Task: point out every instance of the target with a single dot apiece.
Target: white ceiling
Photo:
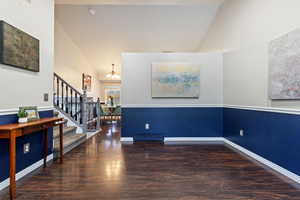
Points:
(134, 28)
(137, 2)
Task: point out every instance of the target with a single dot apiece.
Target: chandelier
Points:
(113, 74)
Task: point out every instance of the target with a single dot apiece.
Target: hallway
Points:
(104, 169)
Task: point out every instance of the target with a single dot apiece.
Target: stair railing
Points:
(76, 105)
(93, 115)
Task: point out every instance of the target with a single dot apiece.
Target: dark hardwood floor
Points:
(104, 169)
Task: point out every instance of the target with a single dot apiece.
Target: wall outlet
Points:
(242, 132)
(26, 148)
(147, 126)
(46, 97)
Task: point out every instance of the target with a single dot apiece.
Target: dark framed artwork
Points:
(86, 82)
(18, 49)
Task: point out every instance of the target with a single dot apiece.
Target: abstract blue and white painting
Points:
(284, 66)
(175, 80)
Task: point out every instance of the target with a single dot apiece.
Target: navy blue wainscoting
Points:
(173, 122)
(274, 136)
(36, 146)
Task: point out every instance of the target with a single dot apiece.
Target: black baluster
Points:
(72, 103)
(54, 91)
(89, 109)
(80, 113)
(67, 100)
(57, 92)
(76, 106)
(62, 96)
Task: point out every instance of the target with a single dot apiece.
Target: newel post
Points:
(98, 114)
(84, 111)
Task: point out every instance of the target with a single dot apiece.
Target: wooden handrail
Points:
(70, 86)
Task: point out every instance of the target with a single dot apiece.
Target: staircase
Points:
(81, 114)
(76, 106)
(71, 138)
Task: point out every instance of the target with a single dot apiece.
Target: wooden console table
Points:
(12, 131)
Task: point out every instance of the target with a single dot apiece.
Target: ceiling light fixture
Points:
(92, 11)
(113, 74)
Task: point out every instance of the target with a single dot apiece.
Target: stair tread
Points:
(69, 139)
(66, 130)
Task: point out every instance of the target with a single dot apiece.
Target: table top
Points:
(9, 127)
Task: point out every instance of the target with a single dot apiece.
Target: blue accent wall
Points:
(36, 146)
(173, 122)
(274, 136)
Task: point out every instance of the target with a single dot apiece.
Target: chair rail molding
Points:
(172, 105)
(265, 109)
(16, 110)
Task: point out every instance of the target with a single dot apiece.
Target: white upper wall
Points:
(136, 83)
(247, 22)
(70, 62)
(20, 87)
(244, 28)
(246, 76)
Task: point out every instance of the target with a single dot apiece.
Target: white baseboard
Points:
(182, 139)
(25, 171)
(194, 139)
(126, 139)
(264, 161)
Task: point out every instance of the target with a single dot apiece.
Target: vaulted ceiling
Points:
(137, 2)
(134, 26)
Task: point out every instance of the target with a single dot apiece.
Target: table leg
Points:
(61, 142)
(45, 147)
(12, 166)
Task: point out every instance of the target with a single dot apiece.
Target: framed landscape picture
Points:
(86, 82)
(175, 80)
(18, 49)
(32, 112)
